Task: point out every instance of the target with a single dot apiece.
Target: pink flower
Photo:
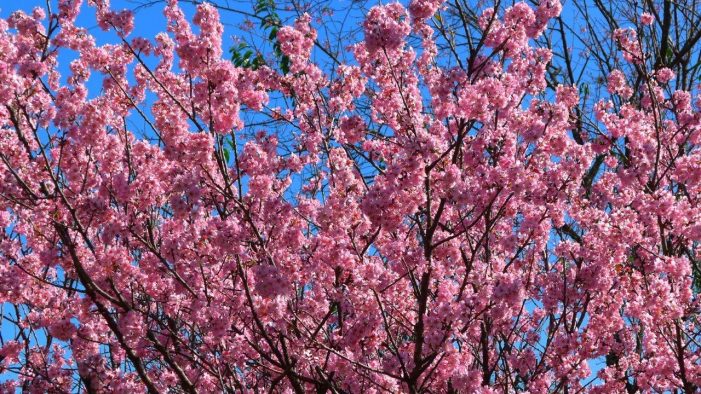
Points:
(568, 95)
(424, 9)
(386, 27)
(62, 329)
(647, 18)
(627, 40)
(617, 84)
(664, 75)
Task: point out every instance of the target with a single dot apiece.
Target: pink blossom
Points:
(647, 19)
(664, 75)
(617, 84)
(386, 27)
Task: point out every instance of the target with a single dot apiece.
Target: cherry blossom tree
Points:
(437, 211)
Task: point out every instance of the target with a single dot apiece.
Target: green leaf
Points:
(285, 64)
(669, 54)
(258, 61)
(227, 154)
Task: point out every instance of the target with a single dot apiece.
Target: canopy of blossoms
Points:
(402, 225)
